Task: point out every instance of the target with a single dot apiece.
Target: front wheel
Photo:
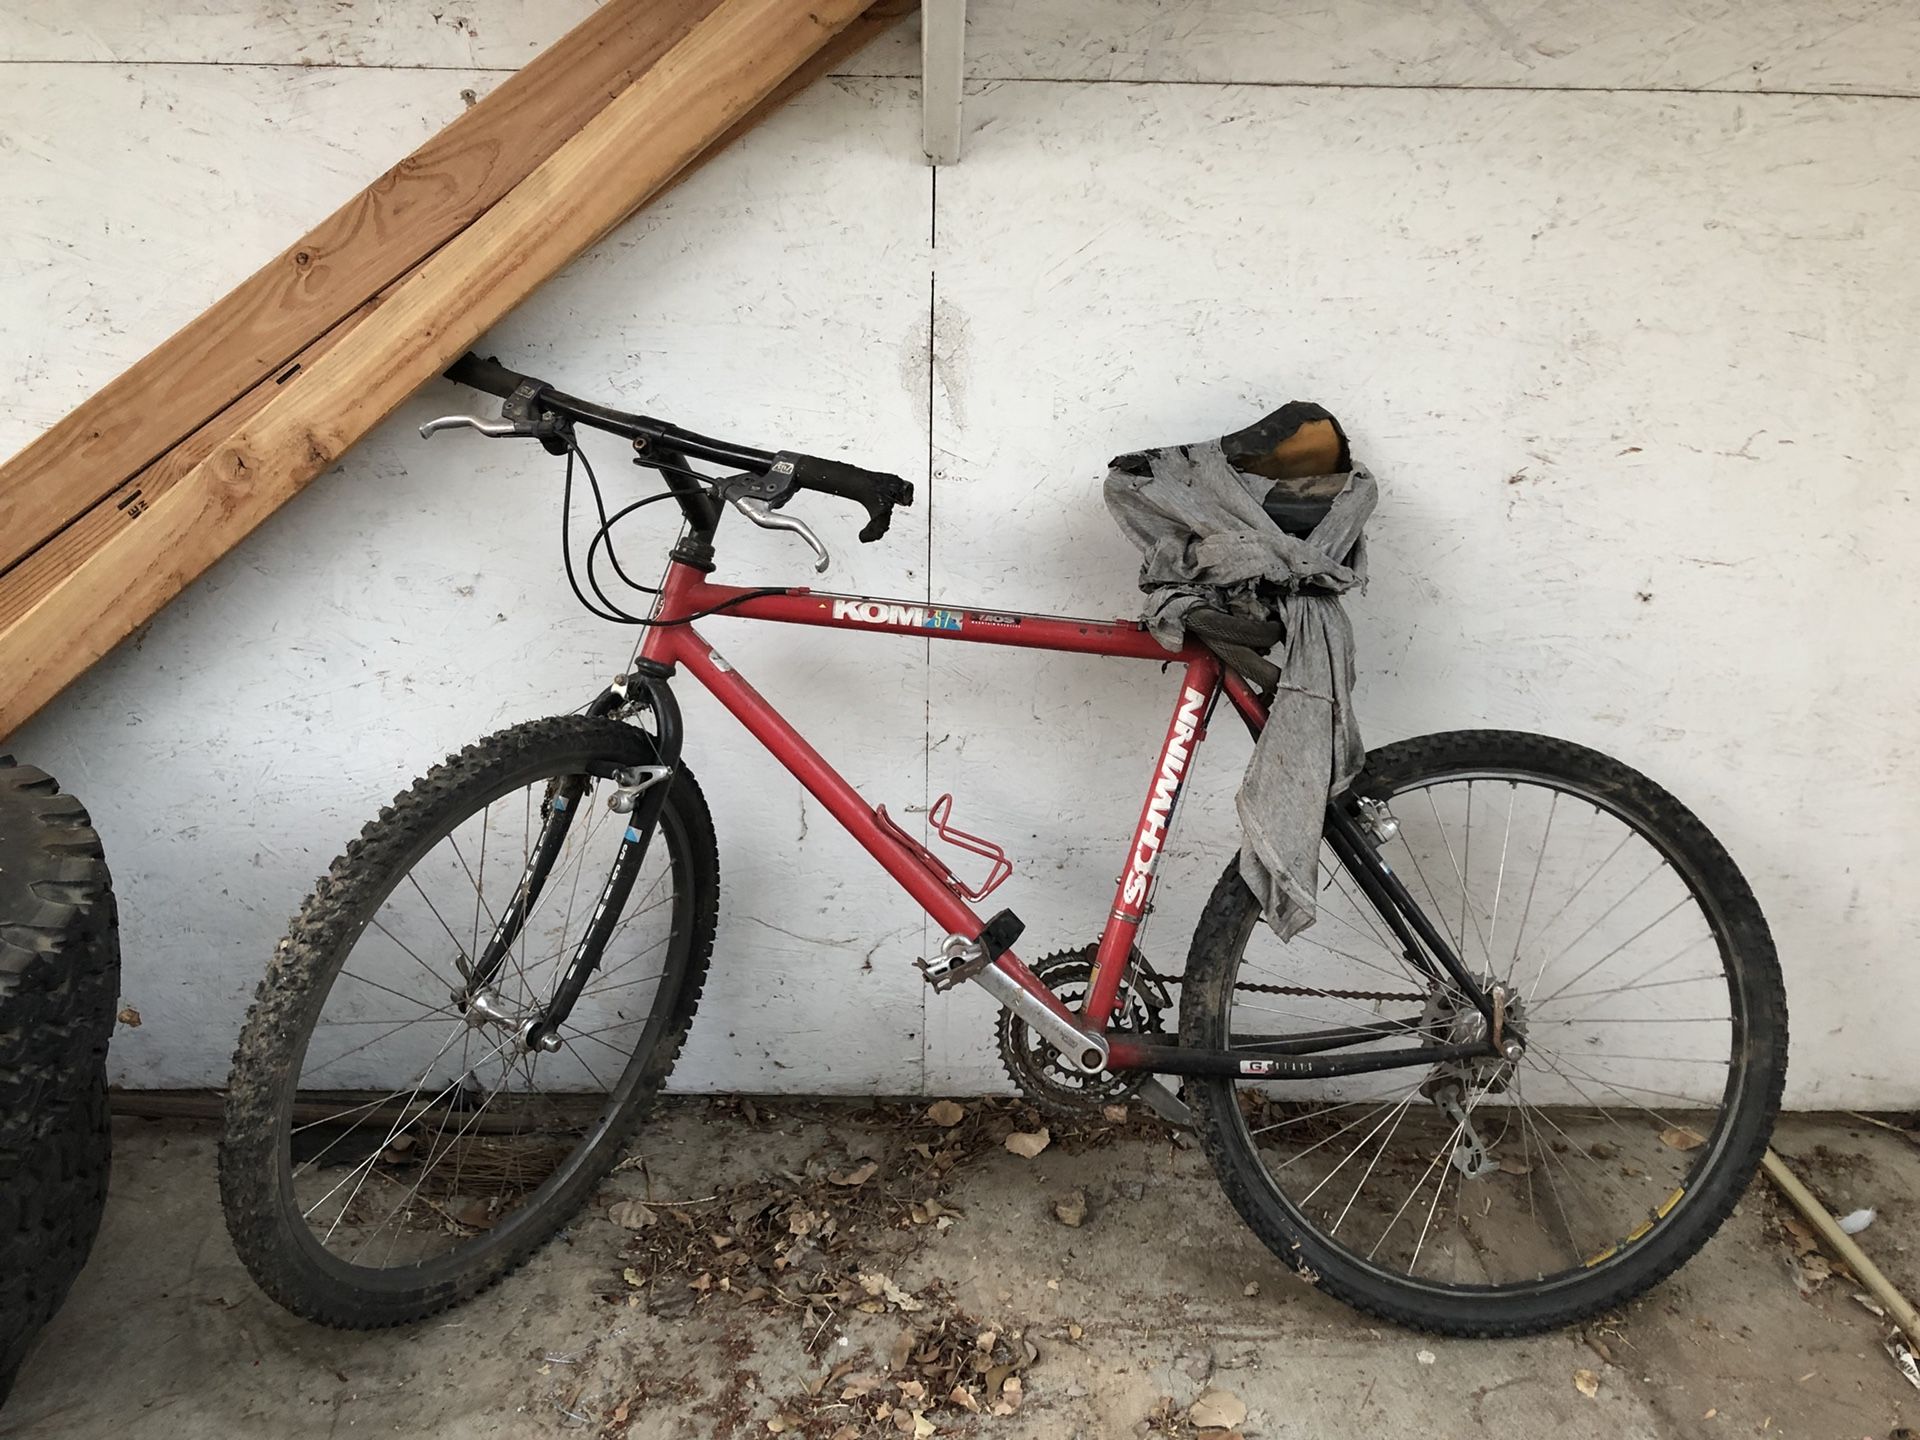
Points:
(1481, 1197)
(396, 1139)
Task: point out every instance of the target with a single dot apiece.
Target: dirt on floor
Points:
(766, 1267)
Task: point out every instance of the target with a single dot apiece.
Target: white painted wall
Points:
(1618, 301)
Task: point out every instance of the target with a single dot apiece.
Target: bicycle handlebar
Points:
(525, 397)
(877, 490)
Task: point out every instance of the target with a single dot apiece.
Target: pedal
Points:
(960, 959)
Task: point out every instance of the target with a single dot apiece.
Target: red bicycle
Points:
(1519, 1070)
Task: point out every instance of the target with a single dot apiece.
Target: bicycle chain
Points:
(1308, 991)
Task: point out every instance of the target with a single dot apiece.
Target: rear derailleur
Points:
(1458, 1086)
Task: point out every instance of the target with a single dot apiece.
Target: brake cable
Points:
(611, 612)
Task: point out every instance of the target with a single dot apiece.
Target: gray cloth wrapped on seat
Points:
(1208, 521)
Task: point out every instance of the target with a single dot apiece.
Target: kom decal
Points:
(884, 612)
(1166, 789)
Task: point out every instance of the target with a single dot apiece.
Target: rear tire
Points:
(59, 986)
(1286, 1220)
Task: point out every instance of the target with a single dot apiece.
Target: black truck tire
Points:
(59, 987)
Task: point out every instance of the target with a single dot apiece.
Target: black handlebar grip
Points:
(875, 489)
(489, 375)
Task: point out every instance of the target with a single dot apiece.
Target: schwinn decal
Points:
(1258, 1067)
(989, 617)
(1166, 789)
(881, 612)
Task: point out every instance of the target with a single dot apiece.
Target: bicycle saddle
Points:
(1300, 447)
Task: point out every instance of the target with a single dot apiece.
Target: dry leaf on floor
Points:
(631, 1215)
(1071, 1209)
(945, 1112)
(1029, 1143)
(859, 1176)
(846, 1432)
(877, 1285)
(1114, 1114)
(129, 1017)
(1251, 1288)
(1217, 1410)
(1678, 1137)
(963, 1397)
(1587, 1383)
(1511, 1164)
(1803, 1238)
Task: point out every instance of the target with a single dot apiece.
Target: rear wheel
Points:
(1482, 1197)
(394, 1144)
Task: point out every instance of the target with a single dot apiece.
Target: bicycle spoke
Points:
(1400, 1113)
(1684, 899)
(457, 948)
(416, 1020)
(479, 900)
(1500, 880)
(438, 978)
(1539, 859)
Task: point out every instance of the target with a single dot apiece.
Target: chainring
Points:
(1034, 1066)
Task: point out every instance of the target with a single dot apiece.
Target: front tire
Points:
(363, 1213)
(1564, 1209)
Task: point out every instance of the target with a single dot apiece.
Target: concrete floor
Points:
(166, 1336)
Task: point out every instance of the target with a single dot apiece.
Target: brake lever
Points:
(491, 428)
(758, 512)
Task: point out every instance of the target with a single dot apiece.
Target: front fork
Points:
(641, 796)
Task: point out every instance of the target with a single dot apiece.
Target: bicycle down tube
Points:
(686, 594)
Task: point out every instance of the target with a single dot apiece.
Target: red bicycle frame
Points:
(686, 592)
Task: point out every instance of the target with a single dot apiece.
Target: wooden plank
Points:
(696, 94)
(33, 577)
(312, 285)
